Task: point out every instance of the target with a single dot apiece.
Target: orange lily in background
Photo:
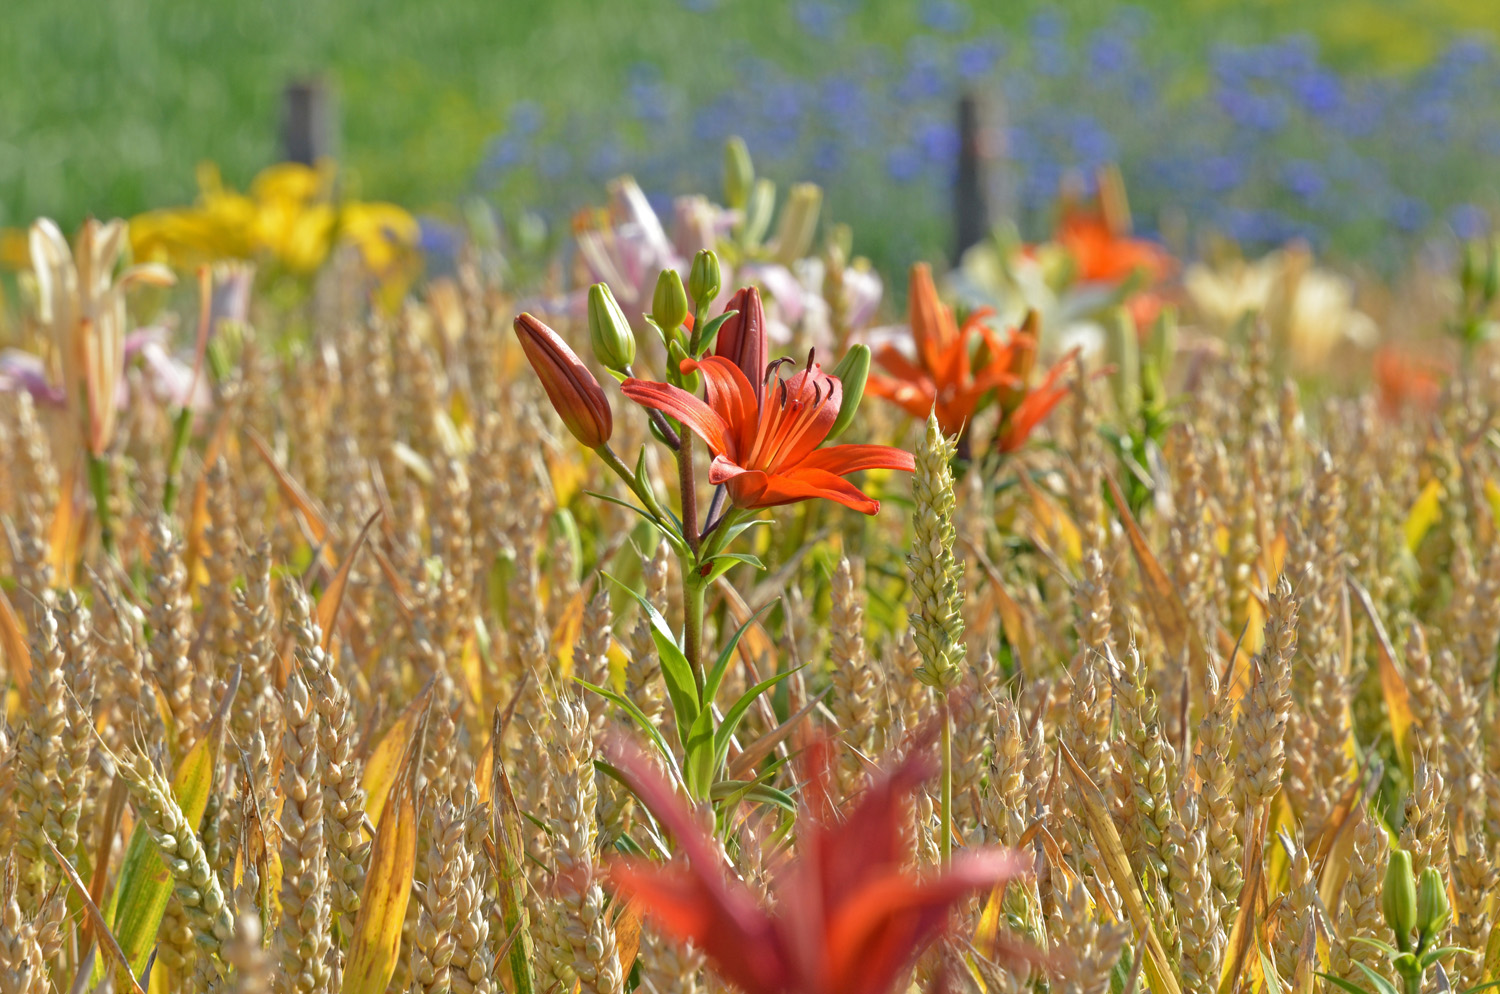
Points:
(1105, 256)
(1403, 380)
(847, 915)
(1026, 407)
(944, 379)
(1098, 238)
(765, 448)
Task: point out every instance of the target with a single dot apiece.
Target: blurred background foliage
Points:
(1357, 124)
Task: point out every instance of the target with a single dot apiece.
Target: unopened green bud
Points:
(609, 333)
(1162, 341)
(852, 371)
(704, 278)
(1125, 357)
(669, 304)
(1398, 897)
(1468, 273)
(758, 210)
(1432, 903)
(676, 355)
(799, 223)
(739, 172)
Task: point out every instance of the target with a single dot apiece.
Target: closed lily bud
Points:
(1161, 344)
(851, 372)
(1432, 903)
(1398, 897)
(609, 333)
(1025, 361)
(742, 339)
(799, 222)
(574, 392)
(676, 356)
(704, 277)
(758, 210)
(739, 172)
(669, 304)
(1125, 356)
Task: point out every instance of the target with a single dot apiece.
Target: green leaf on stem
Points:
(1344, 985)
(732, 719)
(676, 671)
(639, 717)
(673, 538)
(703, 340)
(698, 755)
(1382, 985)
(714, 676)
(725, 561)
(731, 792)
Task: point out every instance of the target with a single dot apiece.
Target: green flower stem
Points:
(182, 429)
(644, 494)
(98, 470)
(689, 485)
(659, 419)
(694, 594)
(945, 812)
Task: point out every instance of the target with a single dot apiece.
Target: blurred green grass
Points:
(107, 108)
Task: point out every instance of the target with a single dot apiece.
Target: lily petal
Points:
(842, 460)
(703, 420)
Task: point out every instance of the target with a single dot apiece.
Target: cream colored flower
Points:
(81, 307)
(1310, 311)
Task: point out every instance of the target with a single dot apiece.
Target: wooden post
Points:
(308, 122)
(979, 191)
(971, 209)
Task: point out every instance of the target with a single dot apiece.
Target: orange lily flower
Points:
(944, 378)
(1026, 407)
(1103, 252)
(765, 447)
(847, 916)
(1403, 380)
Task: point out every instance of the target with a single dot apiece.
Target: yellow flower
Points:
(288, 220)
(14, 253)
(386, 237)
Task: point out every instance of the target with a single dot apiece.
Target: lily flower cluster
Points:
(956, 381)
(766, 428)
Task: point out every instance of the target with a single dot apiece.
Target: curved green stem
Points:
(645, 495)
(945, 814)
(694, 592)
(98, 470)
(689, 486)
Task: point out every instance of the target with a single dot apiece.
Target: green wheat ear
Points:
(937, 576)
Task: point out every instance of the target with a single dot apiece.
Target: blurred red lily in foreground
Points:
(848, 917)
(948, 380)
(765, 443)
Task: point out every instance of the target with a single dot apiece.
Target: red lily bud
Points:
(742, 339)
(573, 390)
(1023, 363)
